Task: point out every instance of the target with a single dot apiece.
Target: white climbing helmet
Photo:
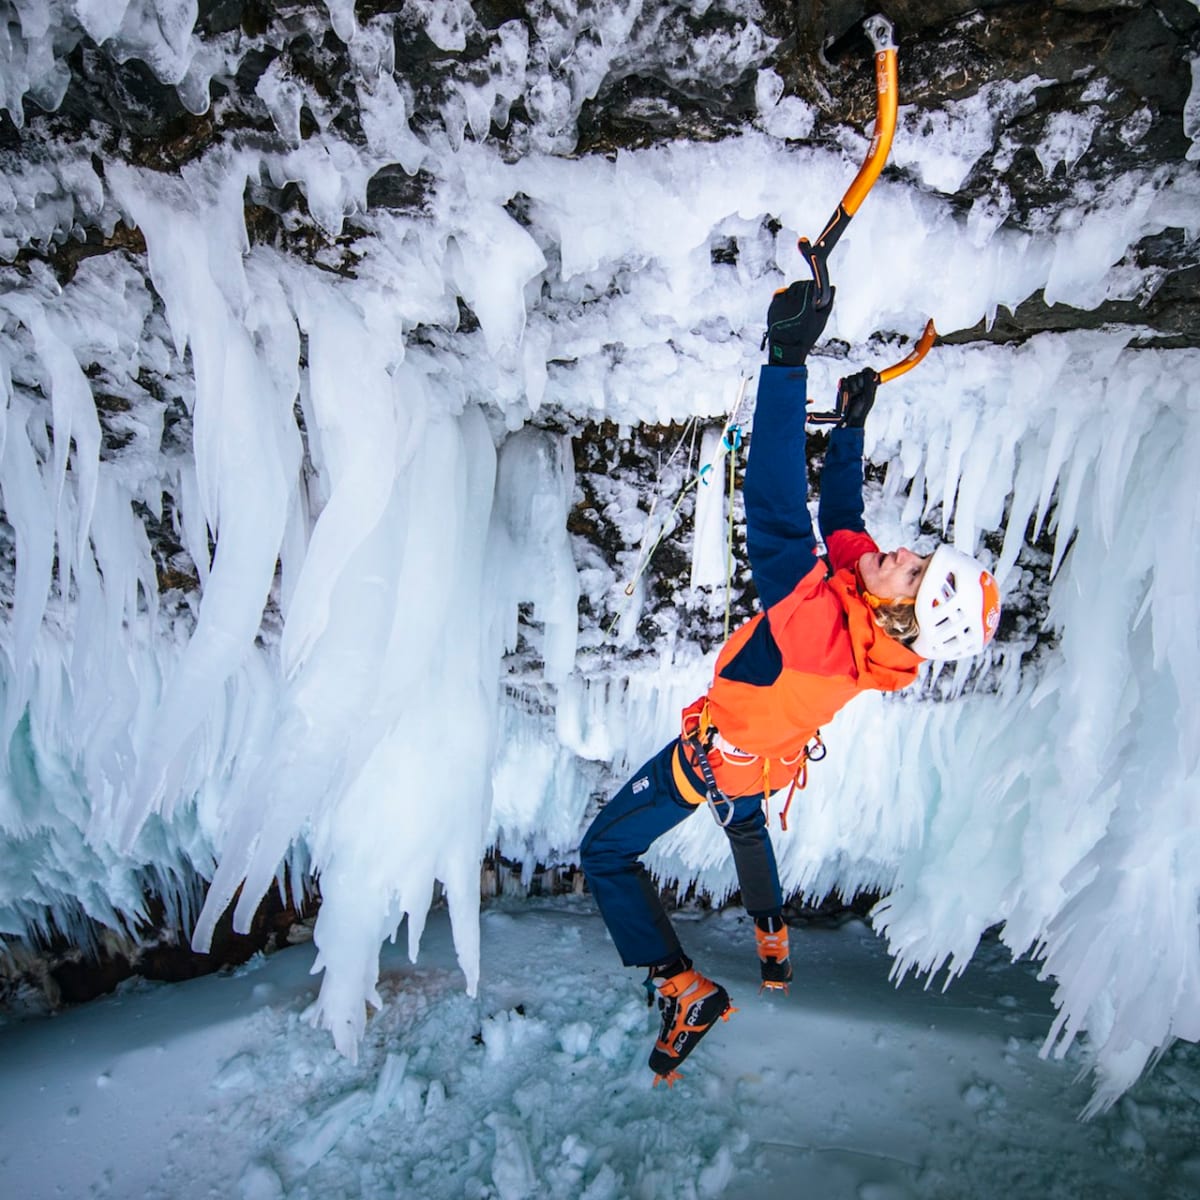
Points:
(957, 608)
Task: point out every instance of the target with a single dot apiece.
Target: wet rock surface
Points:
(1101, 88)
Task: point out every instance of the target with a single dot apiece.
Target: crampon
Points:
(690, 1006)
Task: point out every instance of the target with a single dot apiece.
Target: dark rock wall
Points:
(1123, 64)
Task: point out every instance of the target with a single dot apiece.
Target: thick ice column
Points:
(416, 800)
(365, 427)
(30, 512)
(246, 443)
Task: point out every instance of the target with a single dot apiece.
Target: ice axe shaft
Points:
(882, 35)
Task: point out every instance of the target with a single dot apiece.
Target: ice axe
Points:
(881, 34)
(910, 360)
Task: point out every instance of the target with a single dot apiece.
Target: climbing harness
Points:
(702, 738)
(882, 36)
(697, 735)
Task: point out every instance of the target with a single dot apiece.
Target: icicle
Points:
(708, 533)
(29, 510)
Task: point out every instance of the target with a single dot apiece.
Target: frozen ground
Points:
(849, 1088)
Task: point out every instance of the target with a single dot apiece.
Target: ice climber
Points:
(853, 621)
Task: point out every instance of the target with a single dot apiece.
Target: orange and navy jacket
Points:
(815, 645)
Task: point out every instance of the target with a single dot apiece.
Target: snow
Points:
(847, 1087)
(942, 144)
(362, 505)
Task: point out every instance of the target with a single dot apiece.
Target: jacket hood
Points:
(889, 665)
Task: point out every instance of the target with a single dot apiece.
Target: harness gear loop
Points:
(799, 782)
(814, 751)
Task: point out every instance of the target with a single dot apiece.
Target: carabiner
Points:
(717, 797)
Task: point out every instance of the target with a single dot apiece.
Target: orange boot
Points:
(690, 1007)
(771, 935)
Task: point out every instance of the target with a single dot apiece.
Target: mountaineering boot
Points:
(690, 1006)
(771, 935)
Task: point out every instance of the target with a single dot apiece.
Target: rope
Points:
(648, 552)
(731, 441)
(731, 456)
(645, 556)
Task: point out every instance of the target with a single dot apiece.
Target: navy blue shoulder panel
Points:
(759, 661)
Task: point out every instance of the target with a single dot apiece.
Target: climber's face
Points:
(894, 576)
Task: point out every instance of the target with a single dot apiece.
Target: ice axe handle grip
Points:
(817, 253)
(815, 257)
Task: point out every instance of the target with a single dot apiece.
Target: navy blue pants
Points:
(643, 810)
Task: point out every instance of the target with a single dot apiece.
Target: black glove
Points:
(856, 395)
(794, 324)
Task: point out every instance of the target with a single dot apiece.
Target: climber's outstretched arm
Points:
(840, 512)
(779, 533)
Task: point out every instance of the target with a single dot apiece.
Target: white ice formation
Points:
(366, 508)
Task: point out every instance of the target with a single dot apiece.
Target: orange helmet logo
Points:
(991, 605)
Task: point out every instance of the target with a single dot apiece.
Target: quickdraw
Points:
(713, 796)
(731, 443)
